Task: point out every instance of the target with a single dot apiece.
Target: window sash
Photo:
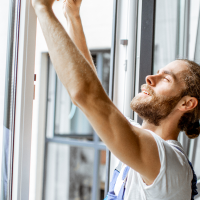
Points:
(10, 100)
(24, 102)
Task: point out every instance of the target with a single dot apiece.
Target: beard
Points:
(154, 108)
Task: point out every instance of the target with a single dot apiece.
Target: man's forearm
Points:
(72, 68)
(76, 33)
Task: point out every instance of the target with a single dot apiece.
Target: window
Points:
(74, 157)
(60, 129)
(64, 158)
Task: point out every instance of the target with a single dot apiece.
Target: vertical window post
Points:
(111, 83)
(147, 41)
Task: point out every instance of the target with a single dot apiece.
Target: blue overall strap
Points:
(114, 177)
(111, 194)
(194, 180)
(124, 178)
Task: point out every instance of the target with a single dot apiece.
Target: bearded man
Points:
(154, 165)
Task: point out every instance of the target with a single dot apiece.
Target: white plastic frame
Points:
(125, 57)
(24, 102)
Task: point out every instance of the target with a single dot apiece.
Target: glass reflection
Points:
(102, 174)
(197, 160)
(63, 117)
(68, 173)
(165, 49)
(68, 118)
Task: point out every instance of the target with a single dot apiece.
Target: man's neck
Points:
(167, 129)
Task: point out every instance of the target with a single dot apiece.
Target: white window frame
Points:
(125, 60)
(24, 102)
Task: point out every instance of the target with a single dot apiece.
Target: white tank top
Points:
(173, 181)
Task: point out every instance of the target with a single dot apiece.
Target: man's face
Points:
(161, 93)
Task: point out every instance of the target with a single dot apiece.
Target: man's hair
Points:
(189, 122)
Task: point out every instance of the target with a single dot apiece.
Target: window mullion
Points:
(111, 85)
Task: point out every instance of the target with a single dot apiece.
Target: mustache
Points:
(148, 89)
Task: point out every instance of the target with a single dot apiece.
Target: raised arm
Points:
(71, 10)
(133, 146)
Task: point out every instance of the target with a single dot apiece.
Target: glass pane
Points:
(63, 117)
(106, 71)
(102, 174)
(167, 21)
(50, 100)
(102, 62)
(68, 172)
(9, 102)
(197, 34)
(3, 41)
(194, 54)
(103, 69)
(174, 34)
(197, 198)
(194, 29)
(69, 119)
(197, 160)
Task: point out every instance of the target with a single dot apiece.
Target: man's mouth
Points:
(145, 89)
(145, 92)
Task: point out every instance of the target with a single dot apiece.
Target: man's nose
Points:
(150, 80)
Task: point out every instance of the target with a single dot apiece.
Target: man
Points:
(168, 103)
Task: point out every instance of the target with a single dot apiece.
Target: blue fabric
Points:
(125, 172)
(111, 194)
(194, 180)
(114, 180)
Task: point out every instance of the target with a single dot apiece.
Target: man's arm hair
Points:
(133, 146)
(75, 29)
(76, 33)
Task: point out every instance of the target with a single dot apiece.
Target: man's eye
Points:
(166, 79)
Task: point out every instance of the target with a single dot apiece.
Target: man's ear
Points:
(188, 103)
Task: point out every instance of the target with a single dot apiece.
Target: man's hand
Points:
(71, 8)
(39, 3)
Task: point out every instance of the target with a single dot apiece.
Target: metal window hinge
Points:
(34, 77)
(124, 42)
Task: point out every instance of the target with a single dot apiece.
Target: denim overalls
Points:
(111, 195)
